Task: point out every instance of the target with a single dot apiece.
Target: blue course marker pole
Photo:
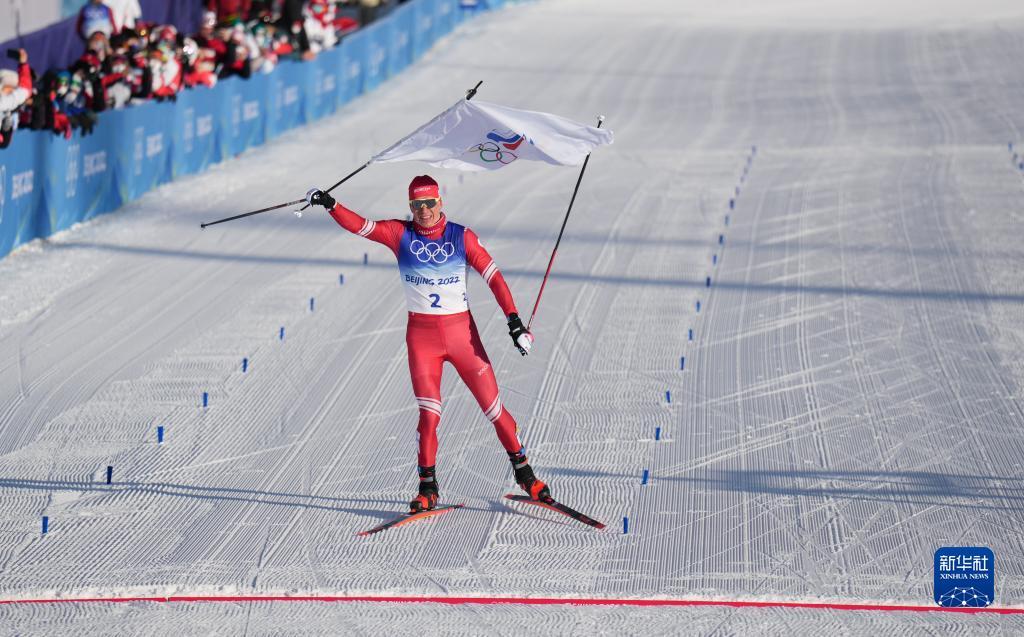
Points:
(245, 365)
(714, 259)
(726, 220)
(341, 279)
(644, 479)
(206, 400)
(732, 204)
(160, 434)
(311, 304)
(721, 239)
(46, 524)
(657, 433)
(707, 282)
(698, 307)
(668, 396)
(682, 363)
(110, 474)
(691, 334)
(280, 335)
(625, 525)
(366, 258)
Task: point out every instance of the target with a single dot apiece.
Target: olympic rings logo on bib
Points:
(427, 252)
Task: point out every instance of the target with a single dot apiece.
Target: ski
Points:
(550, 503)
(409, 517)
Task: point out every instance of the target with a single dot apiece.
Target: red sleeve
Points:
(478, 257)
(387, 231)
(25, 77)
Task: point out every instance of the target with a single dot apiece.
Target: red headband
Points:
(422, 187)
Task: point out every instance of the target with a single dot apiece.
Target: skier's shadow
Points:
(223, 494)
(930, 488)
(837, 289)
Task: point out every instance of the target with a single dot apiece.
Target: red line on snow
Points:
(528, 601)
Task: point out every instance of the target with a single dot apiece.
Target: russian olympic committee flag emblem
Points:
(475, 135)
(965, 577)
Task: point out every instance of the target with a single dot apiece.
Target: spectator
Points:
(117, 82)
(229, 12)
(293, 23)
(368, 11)
(167, 70)
(94, 17)
(126, 12)
(200, 64)
(320, 16)
(267, 11)
(15, 89)
(73, 101)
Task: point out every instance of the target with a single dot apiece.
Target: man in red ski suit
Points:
(433, 254)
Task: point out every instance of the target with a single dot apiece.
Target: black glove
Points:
(317, 197)
(519, 334)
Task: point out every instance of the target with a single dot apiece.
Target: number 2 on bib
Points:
(436, 298)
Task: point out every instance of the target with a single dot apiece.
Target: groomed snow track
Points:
(849, 402)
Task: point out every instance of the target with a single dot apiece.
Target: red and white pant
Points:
(433, 339)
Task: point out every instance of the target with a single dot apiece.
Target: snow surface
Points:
(851, 400)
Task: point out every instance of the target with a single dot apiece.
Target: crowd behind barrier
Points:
(48, 182)
(58, 45)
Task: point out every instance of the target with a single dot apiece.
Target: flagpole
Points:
(600, 120)
(469, 95)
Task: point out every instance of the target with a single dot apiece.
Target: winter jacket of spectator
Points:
(10, 103)
(16, 98)
(126, 12)
(96, 17)
(167, 77)
(229, 11)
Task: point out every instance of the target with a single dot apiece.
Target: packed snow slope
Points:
(850, 400)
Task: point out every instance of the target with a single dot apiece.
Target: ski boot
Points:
(427, 497)
(525, 478)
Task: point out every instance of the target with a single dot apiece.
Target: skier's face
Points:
(426, 211)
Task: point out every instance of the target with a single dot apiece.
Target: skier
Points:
(433, 254)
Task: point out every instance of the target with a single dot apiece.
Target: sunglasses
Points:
(416, 203)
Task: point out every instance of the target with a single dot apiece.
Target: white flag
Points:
(474, 135)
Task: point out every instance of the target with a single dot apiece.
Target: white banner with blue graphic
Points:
(474, 135)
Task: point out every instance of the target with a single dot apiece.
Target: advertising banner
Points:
(194, 143)
(21, 190)
(140, 147)
(79, 178)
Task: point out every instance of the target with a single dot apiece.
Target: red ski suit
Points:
(444, 330)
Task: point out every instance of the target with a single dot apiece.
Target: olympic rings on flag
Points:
(427, 252)
(491, 152)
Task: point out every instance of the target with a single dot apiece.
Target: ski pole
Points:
(600, 120)
(254, 212)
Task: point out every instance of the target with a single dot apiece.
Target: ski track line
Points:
(522, 601)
